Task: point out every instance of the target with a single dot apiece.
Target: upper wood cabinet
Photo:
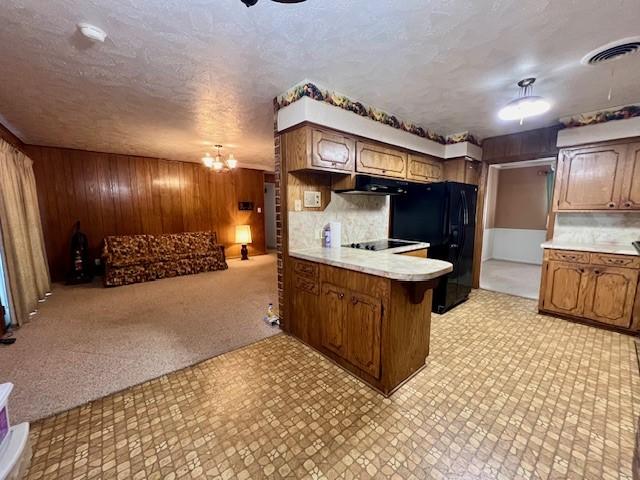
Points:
(312, 148)
(630, 195)
(378, 160)
(463, 170)
(599, 177)
(424, 168)
(332, 150)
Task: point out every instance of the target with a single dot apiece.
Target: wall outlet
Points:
(312, 199)
(297, 205)
(259, 210)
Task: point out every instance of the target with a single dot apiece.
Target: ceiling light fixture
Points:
(526, 105)
(92, 32)
(217, 163)
(251, 3)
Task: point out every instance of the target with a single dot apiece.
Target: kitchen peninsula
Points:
(367, 308)
(370, 311)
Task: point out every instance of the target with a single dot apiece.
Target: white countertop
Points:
(615, 248)
(383, 263)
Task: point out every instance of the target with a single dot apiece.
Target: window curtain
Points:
(22, 241)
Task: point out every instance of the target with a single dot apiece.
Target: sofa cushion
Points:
(124, 250)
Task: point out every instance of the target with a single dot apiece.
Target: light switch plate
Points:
(297, 205)
(312, 199)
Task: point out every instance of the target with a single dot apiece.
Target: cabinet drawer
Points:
(615, 260)
(569, 256)
(305, 269)
(308, 285)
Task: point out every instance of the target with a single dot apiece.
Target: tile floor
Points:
(514, 278)
(506, 394)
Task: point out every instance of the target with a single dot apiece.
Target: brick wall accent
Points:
(279, 218)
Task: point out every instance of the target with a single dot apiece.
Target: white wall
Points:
(514, 245)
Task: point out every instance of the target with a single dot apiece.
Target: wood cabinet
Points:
(630, 195)
(334, 320)
(599, 177)
(609, 295)
(463, 170)
(375, 159)
(596, 287)
(564, 288)
(372, 326)
(424, 168)
(313, 148)
(332, 151)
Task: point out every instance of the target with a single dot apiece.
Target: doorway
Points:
(270, 215)
(516, 215)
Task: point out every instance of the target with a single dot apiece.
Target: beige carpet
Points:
(88, 341)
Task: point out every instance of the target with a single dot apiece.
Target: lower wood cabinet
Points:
(564, 289)
(372, 326)
(610, 294)
(590, 288)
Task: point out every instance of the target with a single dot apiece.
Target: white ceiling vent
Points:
(612, 51)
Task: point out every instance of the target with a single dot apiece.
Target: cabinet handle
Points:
(611, 205)
(627, 204)
(597, 272)
(354, 300)
(581, 270)
(341, 296)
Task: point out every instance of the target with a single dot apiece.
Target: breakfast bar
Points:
(369, 311)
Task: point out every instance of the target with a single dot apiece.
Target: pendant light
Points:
(526, 105)
(217, 163)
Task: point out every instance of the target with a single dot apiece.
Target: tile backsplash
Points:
(597, 227)
(363, 218)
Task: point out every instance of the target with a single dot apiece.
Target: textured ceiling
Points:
(175, 76)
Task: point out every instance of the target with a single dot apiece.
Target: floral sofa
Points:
(142, 258)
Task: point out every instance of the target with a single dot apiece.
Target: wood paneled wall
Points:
(118, 194)
(517, 147)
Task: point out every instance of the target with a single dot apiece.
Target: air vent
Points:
(612, 51)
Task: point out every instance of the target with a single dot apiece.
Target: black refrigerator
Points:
(444, 215)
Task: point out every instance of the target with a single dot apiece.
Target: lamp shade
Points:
(243, 234)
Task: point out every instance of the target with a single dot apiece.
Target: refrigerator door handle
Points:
(466, 207)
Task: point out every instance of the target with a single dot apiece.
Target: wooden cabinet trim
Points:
(611, 260)
(569, 256)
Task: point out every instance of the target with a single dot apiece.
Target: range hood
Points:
(368, 185)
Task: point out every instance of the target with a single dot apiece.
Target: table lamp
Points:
(243, 237)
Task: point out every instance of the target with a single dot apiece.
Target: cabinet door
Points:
(610, 295)
(333, 305)
(472, 173)
(591, 178)
(564, 288)
(630, 197)
(332, 150)
(424, 169)
(378, 160)
(364, 325)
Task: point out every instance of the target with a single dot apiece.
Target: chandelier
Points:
(217, 163)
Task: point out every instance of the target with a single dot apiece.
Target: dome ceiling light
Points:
(93, 33)
(217, 164)
(526, 105)
(251, 3)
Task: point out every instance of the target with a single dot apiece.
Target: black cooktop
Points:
(379, 244)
